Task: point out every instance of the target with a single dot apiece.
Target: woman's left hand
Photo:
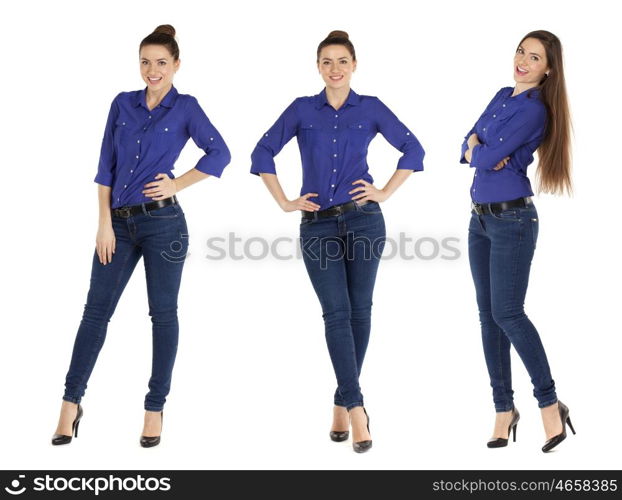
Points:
(159, 190)
(368, 192)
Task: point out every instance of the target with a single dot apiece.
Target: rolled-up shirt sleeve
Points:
(206, 137)
(107, 156)
(523, 127)
(271, 143)
(400, 137)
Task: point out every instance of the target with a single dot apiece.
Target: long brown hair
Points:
(553, 173)
(163, 35)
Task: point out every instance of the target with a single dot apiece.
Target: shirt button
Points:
(504, 105)
(500, 138)
(266, 135)
(484, 129)
(137, 157)
(334, 140)
(334, 169)
(211, 138)
(335, 155)
(494, 116)
(138, 141)
(150, 117)
(330, 199)
(336, 116)
(123, 123)
(166, 129)
(124, 186)
(335, 126)
(131, 171)
(332, 185)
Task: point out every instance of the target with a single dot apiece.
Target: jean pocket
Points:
(371, 208)
(508, 215)
(167, 212)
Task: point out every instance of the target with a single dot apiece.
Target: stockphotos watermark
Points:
(93, 485)
(325, 248)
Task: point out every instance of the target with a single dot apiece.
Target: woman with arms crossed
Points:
(139, 216)
(533, 115)
(342, 231)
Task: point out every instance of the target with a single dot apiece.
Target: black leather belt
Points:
(130, 210)
(495, 208)
(332, 211)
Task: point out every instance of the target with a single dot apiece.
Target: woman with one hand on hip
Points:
(342, 230)
(532, 115)
(140, 216)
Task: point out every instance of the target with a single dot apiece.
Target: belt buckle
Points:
(124, 212)
(477, 208)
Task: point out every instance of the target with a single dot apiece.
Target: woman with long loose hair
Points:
(342, 230)
(140, 216)
(531, 116)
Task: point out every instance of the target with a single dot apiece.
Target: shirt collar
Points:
(167, 102)
(321, 100)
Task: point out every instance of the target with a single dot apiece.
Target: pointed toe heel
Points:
(58, 439)
(363, 446)
(151, 441)
(339, 436)
(565, 418)
(502, 442)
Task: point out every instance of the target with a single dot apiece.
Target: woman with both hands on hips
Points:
(533, 115)
(341, 214)
(140, 216)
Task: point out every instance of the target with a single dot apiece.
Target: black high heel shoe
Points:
(62, 438)
(150, 441)
(363, 446)
(555, 440)
(501, 442)
(339, 436)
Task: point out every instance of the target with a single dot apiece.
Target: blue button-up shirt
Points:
(509, 126)
(140, 143)
(333, 143)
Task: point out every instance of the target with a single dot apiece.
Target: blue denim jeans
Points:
(341, 254)
(501, 247)
(160, 236)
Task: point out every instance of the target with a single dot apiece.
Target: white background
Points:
(253, 383)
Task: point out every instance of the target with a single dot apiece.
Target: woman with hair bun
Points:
(342, 229)
(532, 115)
(140, 216)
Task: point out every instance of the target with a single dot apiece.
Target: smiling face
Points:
(530, 64)
(336, 66)
(157, 66)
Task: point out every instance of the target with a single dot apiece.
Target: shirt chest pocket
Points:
(494, 124)
(310, 133)
(360, 133)
(121, 132)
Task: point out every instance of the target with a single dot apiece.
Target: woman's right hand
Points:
(502, 163)
(301, 203)
(105, 243)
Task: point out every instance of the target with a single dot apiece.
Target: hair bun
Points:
(165, 29)
(338, 34)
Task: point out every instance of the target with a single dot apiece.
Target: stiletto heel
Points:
(62, 438)
(501, 442)
(363, 446)
(150, 441)
(570, 425)
(564, 416)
